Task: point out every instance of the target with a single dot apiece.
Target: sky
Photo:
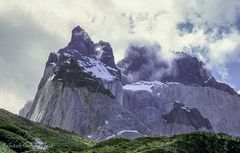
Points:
(30, 30)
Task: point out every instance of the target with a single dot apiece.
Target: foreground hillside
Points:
(186, 143)
(20, 135)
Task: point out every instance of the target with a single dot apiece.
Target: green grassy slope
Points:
(5, 149)
(198, 142)
(21, 135)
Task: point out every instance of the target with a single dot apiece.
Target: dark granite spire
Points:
(107, 56)
(81, 42)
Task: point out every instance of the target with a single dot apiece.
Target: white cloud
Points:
(109, 20)
(123, 21)
(224, 48)
(10, 100)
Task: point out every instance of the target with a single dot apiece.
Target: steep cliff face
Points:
(81, 91)
(81, 88)
(26, 108)
(176, 96)
(174, 108)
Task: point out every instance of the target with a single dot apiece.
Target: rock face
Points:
(81, 41)
(143, 63)
(174, 108)
(26, 108)
(106, 53)
(180, 114)
(81, 91)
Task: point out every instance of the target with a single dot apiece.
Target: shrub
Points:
(15, 142)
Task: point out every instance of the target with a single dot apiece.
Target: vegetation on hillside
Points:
(198, 142)
(20, 135)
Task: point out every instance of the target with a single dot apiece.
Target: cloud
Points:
(143, 61)
(216, 54)
(211, 31)
(121, 21)
(25, 46)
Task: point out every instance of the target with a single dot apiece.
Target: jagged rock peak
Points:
(144, 64)
(78, 60)
(81, 42)
(105, 53)
(79, 33)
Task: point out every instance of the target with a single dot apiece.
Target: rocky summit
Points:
(143, 63)
(83, 91)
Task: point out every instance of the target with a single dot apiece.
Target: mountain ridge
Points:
(83, 91)
(144, 64)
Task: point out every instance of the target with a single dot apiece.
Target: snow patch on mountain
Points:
(143, 85)
(131, 133)
(91, 65)
(96, 68)
(185, 108)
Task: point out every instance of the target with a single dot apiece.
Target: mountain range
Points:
(85, 92)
